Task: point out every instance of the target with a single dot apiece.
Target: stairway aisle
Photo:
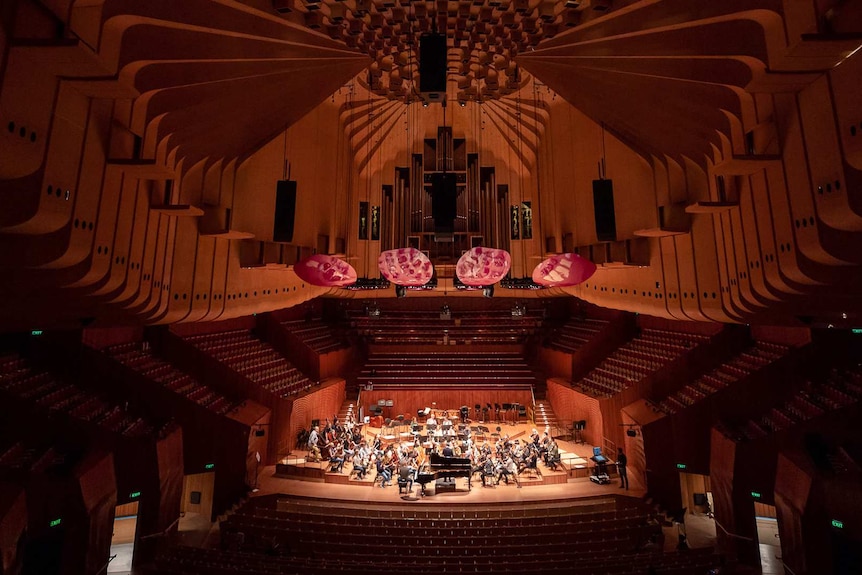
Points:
(545, 418)
(348, 407)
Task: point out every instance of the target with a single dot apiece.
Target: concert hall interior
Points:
(610, 248)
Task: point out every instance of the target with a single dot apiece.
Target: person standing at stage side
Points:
(313, 440)
(622, 461)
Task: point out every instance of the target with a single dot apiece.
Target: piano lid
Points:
(439, 461)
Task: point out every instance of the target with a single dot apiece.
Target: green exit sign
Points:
(36, 332)
(756, 494)
(209, 466)
(134, 494)
(857, 330)
(837, 524)
(55, 522)
(680, 466)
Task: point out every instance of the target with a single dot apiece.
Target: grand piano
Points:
(446, 468)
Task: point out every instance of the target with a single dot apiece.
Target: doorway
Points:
(768, 539)
(197, 505)
(123, 538)
(697, 522)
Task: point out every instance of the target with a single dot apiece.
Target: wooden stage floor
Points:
(568, 483)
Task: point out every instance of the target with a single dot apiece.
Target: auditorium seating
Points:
(43, 391)
(462, 327)
(643, 355)
(156, 369)
(258, 361)
(572, 335)
(751, 360)
(445, 368)
(838, 389)
(610, 535)
(319, 336)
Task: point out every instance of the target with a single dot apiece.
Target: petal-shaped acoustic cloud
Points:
(563, 270)
(405, 267)
(483, 266)
(325, 271)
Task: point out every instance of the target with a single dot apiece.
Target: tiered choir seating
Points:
(423, 327)
(754, 358)
(43, 390)
(840, 388)
(608, 536)
(256, 360)
(572, 335)
(316, 334)
(447, 368)
(641, 356)
(156, 369)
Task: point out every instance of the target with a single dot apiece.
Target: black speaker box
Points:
(259, 432)
(285, 211)
(432, 63)
(195, 497)
(603, 204)
(444, 201)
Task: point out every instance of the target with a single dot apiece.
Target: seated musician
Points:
(509, 469)
(336, 457)
(430, 420)
(489, 472)
(360, 465)
(384, 471)
(478, 466)
(406, 474)
(552, 456)
(534, 437)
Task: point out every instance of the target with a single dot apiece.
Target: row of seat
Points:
(44, 390)
(316, 334)
(839, 388)
(274, 559)
(750, 360)
(141, 359)
(636, 359)
(255, 359)
(574, 334)
(447, 368)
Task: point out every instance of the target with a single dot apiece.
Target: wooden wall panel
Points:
(324, 402)
(570, 405)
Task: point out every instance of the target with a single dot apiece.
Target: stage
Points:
(294, 476)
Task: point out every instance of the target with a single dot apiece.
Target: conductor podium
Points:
(600, 471)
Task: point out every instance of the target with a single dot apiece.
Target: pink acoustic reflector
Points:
(405, 267)
(483, 266)
(325, 271)
(563, 270)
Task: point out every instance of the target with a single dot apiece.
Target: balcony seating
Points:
(574, 334)
(319, 336)
(427, 328)
(751, 360)
(638, 358)
(258, 361)
(141, 360)
(837, 389)
(447, 368)
(43, 390)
